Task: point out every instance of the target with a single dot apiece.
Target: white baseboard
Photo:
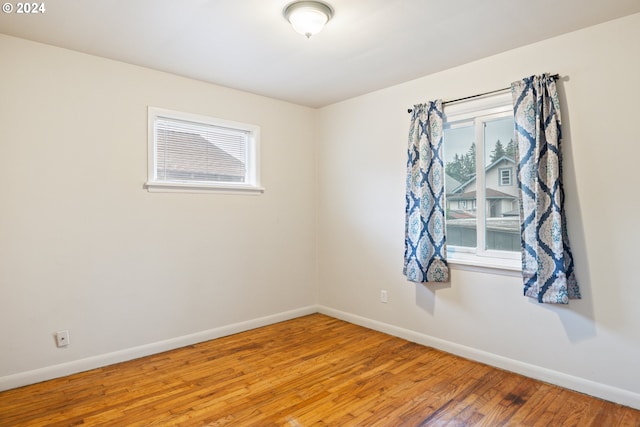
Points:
(582, 385)
(37, 375)
(592, 388)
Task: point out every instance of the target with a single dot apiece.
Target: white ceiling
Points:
(248, 45)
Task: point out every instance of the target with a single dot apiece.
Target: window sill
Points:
(488, 265)
(178, 187)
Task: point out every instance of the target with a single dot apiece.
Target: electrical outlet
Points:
(383, 296)
(62, 338)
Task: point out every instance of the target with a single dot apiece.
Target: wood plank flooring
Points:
(310, 371)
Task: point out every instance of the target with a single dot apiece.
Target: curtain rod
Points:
(555, 77)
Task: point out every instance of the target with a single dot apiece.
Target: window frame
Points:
(478, 112)
(250, 186)
(509, 177)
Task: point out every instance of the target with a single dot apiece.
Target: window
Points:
(479, 151)
(196, 154)
(506, 176)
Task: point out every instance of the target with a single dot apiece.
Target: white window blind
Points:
(188, 151)
(193, 152)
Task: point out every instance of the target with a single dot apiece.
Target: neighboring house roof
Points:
(490, 193)
(454, 214)
(450, 182)
(515, 212)
(199, 156)
(462, 186)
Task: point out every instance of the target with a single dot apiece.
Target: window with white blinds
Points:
(195, 153)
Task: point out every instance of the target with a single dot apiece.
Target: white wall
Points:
(593, 344)
(84, 247)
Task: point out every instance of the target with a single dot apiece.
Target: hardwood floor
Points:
(310, 371)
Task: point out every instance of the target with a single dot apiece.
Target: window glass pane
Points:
(460, 186)
(502, 230)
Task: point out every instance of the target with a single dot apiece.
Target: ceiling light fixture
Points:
(308, 17)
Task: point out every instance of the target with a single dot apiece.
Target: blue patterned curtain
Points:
(425, 245)
(547, 263)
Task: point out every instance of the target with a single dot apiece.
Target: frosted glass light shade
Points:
(308, 17)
